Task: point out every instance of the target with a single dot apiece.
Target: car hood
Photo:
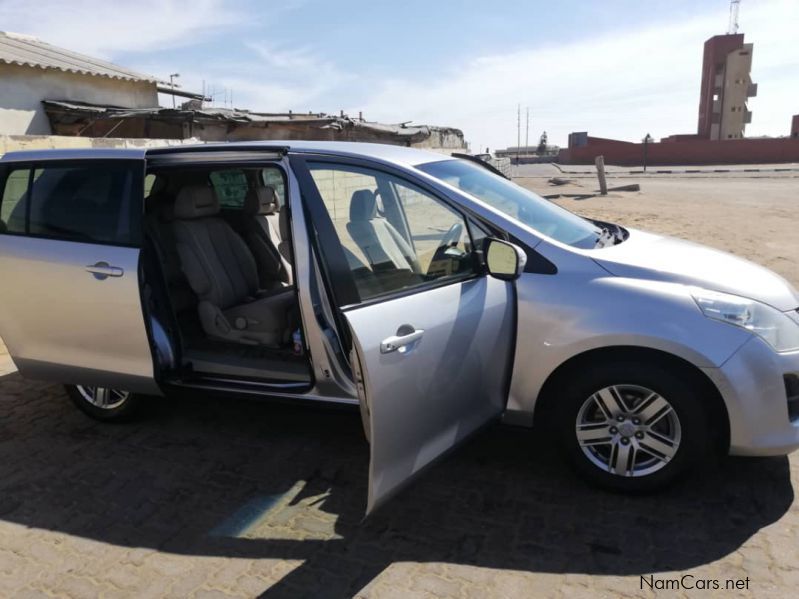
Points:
(655, 257)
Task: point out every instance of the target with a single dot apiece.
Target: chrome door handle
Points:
(103, 270)
(403, 337)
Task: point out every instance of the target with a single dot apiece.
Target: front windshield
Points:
(517, 202)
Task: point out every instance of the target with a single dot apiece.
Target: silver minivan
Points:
(428, 289)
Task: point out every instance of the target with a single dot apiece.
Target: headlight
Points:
(779, 331)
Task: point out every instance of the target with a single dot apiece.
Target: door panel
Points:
(70, 303)
(431, 334)
(63, 323)
(425, 397)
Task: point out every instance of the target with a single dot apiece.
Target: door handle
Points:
(103, 270)
(406, 335)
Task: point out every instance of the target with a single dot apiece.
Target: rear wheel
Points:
(108, 405)
(632, 426)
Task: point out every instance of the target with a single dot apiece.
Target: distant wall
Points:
(23, 88)
(11, 143)
(687, 151)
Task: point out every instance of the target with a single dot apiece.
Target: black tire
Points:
(671, 384)
(121, 410)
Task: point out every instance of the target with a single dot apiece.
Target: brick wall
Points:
(687, 151)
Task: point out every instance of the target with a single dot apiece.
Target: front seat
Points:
(223, 273)
(261, 209)
(377, 238)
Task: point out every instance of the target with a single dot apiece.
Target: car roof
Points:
(400, 155)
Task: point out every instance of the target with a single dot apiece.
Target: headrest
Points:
(261, 200)
(196, 201)
(363, 205)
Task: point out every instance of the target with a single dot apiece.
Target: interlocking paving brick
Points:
(211, 497)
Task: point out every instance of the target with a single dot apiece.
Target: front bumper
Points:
(752, 384)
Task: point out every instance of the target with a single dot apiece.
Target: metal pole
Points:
(600, 173)
(527, 132)
(518, 131)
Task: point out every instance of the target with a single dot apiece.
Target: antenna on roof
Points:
(733, 26)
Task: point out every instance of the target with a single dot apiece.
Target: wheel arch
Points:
(714, 402)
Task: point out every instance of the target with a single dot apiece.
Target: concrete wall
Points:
(11, 143)
(23, 88)
(697, 151)
(734, 112)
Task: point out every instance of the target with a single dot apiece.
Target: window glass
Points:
(230, 187)
(516, 202)
(148, 184)
(274, 178)
(12, 206)
(84, 203)
(395, 236)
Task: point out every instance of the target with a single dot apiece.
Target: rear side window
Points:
(12, 204)
(93, 203)
(230, 187)
(274, 178)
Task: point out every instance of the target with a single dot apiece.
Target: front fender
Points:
(573, 312)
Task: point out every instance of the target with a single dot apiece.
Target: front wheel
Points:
(107, 405)
(632, 426)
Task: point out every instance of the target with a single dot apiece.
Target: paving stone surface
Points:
(210, 497)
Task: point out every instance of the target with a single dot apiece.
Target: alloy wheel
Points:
(102, 397)
(628, 430)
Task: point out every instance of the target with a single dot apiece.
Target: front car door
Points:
(431, 335)
(70, 304)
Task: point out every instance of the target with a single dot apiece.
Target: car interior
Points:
(218, 265)
(218, 272)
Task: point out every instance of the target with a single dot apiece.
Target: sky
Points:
(614, 68)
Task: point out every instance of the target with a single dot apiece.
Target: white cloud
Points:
(103, 28)
(621, 85)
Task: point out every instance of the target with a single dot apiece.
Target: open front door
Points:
(433, 366)
(432, 335)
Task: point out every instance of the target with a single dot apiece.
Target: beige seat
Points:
(261, 210)
(377, 238)
(223, 273)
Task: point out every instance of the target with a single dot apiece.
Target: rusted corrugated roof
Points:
(29, 51)
(69, 113)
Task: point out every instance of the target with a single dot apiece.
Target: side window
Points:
(14, 200)
(274, 178)
(430, 223)
(91, 203)
(230, 187)
(149, 180)
(394, 235)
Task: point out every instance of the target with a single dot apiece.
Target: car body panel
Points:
(659, 258)
(61, 323)
(425, 398)
(753, 387)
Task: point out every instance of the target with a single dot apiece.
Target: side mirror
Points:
(504, 260)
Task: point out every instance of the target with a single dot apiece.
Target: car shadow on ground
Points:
(263, 480)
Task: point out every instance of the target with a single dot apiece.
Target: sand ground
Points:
(756, 218)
